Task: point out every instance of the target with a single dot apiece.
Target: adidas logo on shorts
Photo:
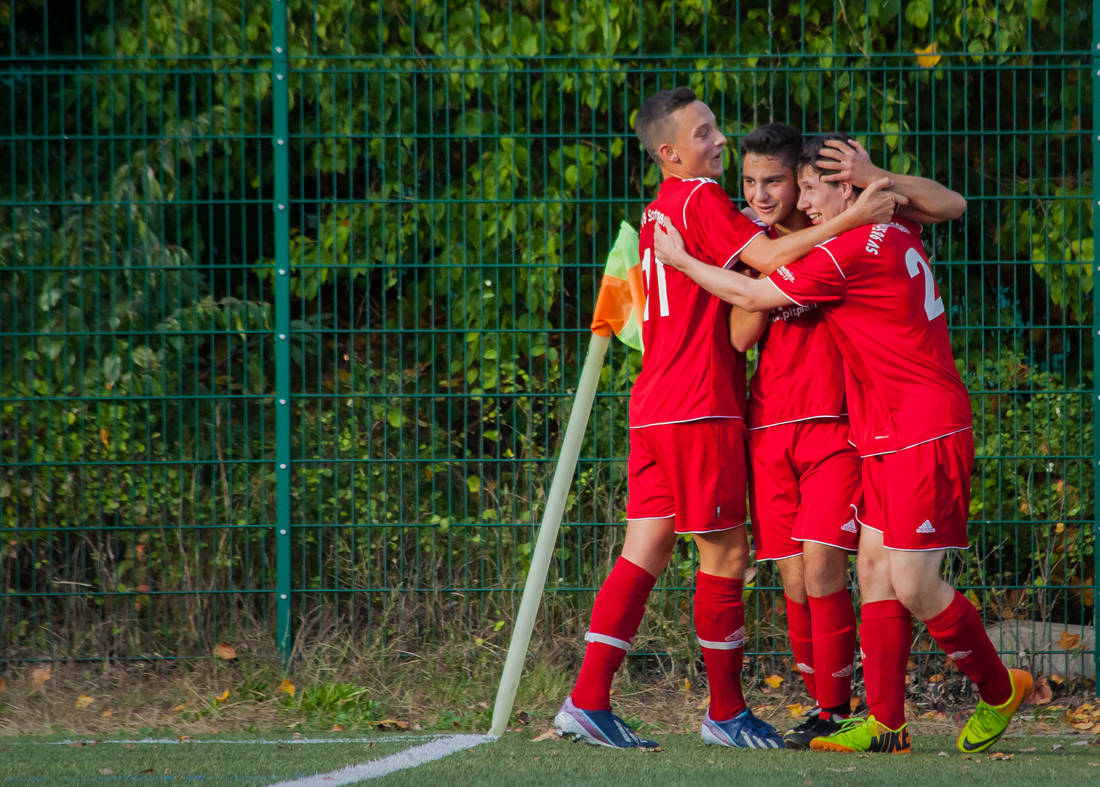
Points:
(805, 669)
(926, 527)
(849, 526)
(844, 673)
(959, 654)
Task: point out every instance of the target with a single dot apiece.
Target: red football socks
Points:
(720, 625)
(616, 616)
(834, 642)
(798, 621)
(886, 637)
(959, 631)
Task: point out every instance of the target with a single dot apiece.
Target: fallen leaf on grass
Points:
(107, 713)
(220, 698)
(106, 771)
(1041, 694)
(1029, 749)
(1055, 747)
(943, 754)
(997, 755)
(39, 675)
(1083, 726)
(336, 728)
(773, 680)
(687, 685)
(937, 715)
(549, 735)
(147, 770)
(179, 708)
(286, 687)
(798, 709)
(186, 739)
(1057, 679)
(83, 701)
(704, 704)
(1095, 764)
(650, 750)
(937, 678)
(853, 703)
(226, 652)
(3, 685)
(387, 723)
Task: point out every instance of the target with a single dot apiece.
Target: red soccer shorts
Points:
(694, 471)
(804, 478)
(919, 497)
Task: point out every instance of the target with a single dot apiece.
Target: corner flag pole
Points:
(548, 533)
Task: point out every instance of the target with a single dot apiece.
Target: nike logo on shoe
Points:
(968, 746)
(926, 527)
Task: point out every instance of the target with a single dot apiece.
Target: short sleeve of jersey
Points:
(716, 225)
(816, 278)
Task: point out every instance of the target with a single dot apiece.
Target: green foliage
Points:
(456, 172)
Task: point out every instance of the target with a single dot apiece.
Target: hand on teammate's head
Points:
(851, 163)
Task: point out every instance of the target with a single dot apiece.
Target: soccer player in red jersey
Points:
(803, 471)
(687, 458)
(911, 421)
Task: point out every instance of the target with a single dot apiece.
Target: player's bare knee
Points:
(794, 583)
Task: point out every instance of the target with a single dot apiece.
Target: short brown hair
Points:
(652, 124)
(774, 140)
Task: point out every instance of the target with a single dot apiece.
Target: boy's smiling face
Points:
(769, 186)
(699, 145)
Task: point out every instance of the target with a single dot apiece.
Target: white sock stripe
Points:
(591, 636)
(719, 645)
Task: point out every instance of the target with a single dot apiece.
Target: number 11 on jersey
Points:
(662, 287)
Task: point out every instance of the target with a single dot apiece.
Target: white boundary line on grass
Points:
(190, 742)
(410, 758)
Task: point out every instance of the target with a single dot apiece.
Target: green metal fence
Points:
(293, 297)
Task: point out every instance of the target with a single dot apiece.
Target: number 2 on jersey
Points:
(914, 261)
(662, 288)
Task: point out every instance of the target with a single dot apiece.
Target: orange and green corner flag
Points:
(621, 300)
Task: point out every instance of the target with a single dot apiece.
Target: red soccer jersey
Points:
(800, 373)
(689, 369)
(885, 312)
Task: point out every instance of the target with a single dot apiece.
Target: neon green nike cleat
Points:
(869, 735)
(989, 723)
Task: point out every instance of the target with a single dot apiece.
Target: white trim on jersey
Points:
(837, 264)
(785, 295)
(639, 518)
(914, 445)
(689, 420)
(800, 420)
(737, 254)
(687, 199)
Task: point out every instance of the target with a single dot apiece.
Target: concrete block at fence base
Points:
(1034, 646)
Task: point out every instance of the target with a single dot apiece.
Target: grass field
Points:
(516, 759)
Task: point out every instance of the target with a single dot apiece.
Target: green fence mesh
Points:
(293, 296)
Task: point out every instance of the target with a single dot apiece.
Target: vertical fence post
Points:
(1096, 339)
(280, 145)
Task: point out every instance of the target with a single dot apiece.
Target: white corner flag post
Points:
(548, 533)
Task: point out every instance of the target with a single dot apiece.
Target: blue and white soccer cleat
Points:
(597, 727)
(743, 731)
